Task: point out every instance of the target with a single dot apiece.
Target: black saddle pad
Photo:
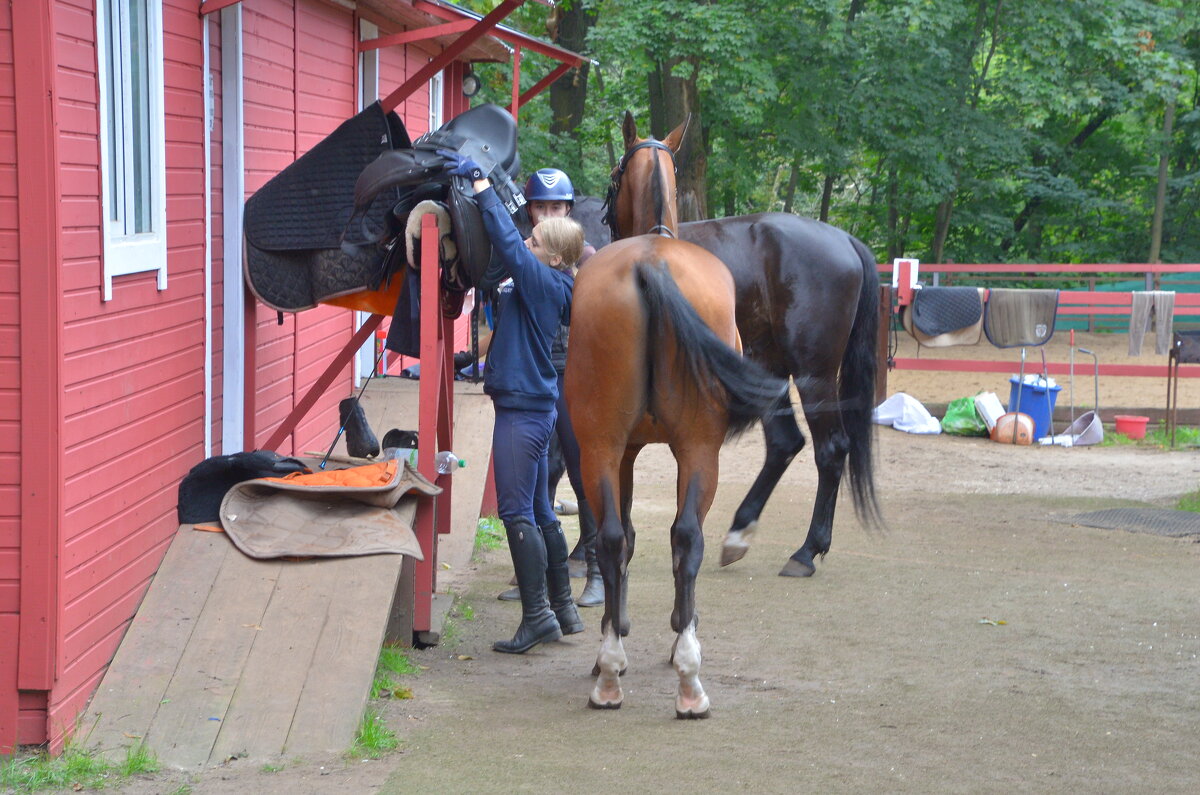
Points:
(292, 281)
(1187, 347)
(940, 310)
(1018, 318)
(203, 488)
(307, 205)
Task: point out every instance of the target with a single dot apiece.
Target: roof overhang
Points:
(460, 34)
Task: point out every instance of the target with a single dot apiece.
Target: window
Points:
(133, 173)
(435, 102)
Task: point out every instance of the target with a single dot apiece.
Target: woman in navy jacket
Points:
(534, 303)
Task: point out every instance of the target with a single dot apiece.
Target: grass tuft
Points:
(374, 737)
(489, 534)
(139, 760)
(393, 663)
(75, 768)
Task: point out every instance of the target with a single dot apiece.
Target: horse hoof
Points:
(609, 705)
(692, 715)
(794, 568)
(736, 544)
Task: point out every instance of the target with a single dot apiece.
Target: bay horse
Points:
(808, 308)
(655, 356)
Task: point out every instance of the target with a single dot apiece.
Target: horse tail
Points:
(856, 389)
(746, 390)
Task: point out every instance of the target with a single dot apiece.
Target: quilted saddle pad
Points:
(1016, 318)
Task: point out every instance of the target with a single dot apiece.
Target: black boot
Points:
(360, 439)
(558, 581)
(593, 590)
(538, 622)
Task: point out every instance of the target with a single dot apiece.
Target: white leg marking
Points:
(691, 700)
(737, 543)
(606, 694)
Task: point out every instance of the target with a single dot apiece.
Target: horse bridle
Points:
(610, 199)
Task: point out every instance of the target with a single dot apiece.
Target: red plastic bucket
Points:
(1132, 426)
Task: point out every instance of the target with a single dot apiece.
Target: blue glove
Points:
(461, 165)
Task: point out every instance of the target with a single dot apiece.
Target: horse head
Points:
(641, 196)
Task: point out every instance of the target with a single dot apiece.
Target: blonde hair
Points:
(562, 237)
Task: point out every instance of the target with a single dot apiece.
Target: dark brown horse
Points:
(808, 308)
(655, 357)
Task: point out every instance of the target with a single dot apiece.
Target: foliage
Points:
(965, 130)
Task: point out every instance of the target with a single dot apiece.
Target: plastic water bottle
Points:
(445, 461)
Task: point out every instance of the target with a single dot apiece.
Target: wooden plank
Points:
(339, 677)
(136, 681)
(260, 714)
(196, 701)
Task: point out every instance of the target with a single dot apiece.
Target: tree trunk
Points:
(895, 247)
(790, 195)
(675, 100)
(941, 228)
(826, 198)
(1160, 193)
(568, 94)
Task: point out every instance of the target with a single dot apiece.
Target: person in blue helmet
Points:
(533, 303)
(550, 194)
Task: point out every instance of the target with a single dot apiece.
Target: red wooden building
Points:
(131, 132)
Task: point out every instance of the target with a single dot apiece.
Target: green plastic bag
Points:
(962, 419)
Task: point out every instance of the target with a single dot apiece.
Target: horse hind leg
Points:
(687, 553)
(611, 555)
(784, 441)
(830, 447)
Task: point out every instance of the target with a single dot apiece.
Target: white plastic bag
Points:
(905, 413)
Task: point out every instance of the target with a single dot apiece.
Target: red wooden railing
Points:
(1073, 303)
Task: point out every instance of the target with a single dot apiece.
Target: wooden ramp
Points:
(229, 657)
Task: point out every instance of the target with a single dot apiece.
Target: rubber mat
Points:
(1156, 521)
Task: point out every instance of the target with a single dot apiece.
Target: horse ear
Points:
(675, 138)
(629, 130)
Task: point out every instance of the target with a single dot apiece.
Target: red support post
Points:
(435, 425)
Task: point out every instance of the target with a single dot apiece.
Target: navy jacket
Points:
(520, 372)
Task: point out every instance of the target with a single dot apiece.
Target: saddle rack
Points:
(436, 424)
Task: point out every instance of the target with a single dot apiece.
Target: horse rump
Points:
(746, 390)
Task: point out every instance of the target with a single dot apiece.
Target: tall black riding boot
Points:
(558, 581)
(360, 439)
(593, 589)
(538, 622)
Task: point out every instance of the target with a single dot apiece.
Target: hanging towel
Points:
(1157, 306)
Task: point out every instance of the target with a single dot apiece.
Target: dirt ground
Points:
(982, 642)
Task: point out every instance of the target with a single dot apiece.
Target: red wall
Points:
(133, 401)
(133, 396)
(296, 58)
(10, 397)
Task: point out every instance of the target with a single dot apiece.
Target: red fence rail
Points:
(1073, 303)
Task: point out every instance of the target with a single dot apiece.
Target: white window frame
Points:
(436, 96)
(127, 251)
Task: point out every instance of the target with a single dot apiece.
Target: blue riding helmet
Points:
(548, 185)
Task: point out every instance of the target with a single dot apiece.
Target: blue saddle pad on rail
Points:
(939, 310)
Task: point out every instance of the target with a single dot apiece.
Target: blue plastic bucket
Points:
(1037, 400)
